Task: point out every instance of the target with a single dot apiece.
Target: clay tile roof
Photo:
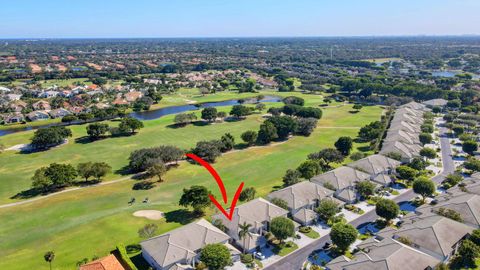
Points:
(106, 263)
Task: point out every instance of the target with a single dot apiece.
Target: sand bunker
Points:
(149, 214)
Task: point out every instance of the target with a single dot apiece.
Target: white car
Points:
(258, 256)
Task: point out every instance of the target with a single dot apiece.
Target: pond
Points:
(155, 114)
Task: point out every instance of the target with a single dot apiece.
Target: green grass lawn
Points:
(312, 234)
(283, 249)
(90, 222)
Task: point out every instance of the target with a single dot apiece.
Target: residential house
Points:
(467, 205)
(41, 105)
(49, 94)
(132, 96)
(342, 180)
(302, 199)
(180, 248)
(4, 89)
(434, 235)
(403, 135)
(380, 168)
(11, 118)
(258, 213)
(14, 97)
(106, 263)
(38, 115)
(18, 105)
(439, 102)
(387, 254)
(58, 113)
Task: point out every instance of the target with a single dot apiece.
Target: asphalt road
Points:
(296, 259)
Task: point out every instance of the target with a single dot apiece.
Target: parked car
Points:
(259, 256)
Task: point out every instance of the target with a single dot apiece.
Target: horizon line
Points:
(246, 37)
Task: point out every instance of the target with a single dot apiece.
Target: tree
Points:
(49, 257)
(282, 228)
(305, 126)
(294, 100)
(208, 150)
(97, 130)
(370, 132)
(148, 231)
(425, 138)
(357, 107)
(157, 169)
(329, 155)
(130, 124)
(85, 116)
(468, 252)
(423, 186)
(285, 125)
(309, 169)
(143, 103)
(228, 142)
(240, 111)
(343, 235)
(69, 118)
(60, 174)
(472, 164)
(40, 181)
(267, 133)
(100, 169)
(452, 179)
(291, 177)
(428, 153)
(475, 237)
(247, 194)
(50, 136)
(344, 145)
(418, 164)
(196, 197)
(426, 128)
(356, 156)
(215, 256)
(406, 173)
(469, 147)
(209, 114)
(243, 233)
(141, 159)
(185, 118)
(387, 209)
(85, 170)
(280, 203)
(458, 129)
(327, 209)
(365, 188)
(260, 107)
(249, 137)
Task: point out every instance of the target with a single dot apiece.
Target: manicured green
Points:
(91, 221)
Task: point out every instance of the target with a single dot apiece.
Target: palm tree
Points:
(49, 257)
(244, 232)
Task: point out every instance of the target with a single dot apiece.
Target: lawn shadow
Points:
(364, 148)
(33, 192)
(201, 123)
(87, 139)
(140, 262)
(181, 216)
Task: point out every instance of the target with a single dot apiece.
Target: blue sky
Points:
(236, 18)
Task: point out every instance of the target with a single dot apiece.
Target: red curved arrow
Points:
(221, 186)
